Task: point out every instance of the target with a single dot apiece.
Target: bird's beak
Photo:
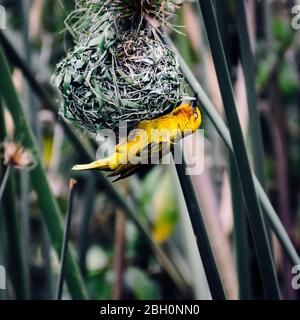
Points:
(195, 102)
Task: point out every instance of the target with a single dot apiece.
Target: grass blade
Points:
(87, 156)
(47, 202)
(15, 256)
(221, 128)
(240, 223)
(255, 131)
(89, 205)
(249, 74)
(204, 247)
(261, 242)
(63, 255)
(240, 234)
(5, 181)
(119, 256)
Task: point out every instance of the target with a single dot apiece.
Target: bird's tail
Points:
(99, 164)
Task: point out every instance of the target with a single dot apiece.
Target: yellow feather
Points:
(155, 133)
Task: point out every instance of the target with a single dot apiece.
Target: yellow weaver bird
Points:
(151, 139)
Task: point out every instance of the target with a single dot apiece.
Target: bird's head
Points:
(188, 115)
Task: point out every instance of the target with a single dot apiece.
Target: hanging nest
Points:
(119, 69)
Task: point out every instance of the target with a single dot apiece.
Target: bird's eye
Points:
(195, 115)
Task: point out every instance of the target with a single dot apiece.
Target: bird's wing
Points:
(128, 172)
(157, 150)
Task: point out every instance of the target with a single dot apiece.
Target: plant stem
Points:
(119, 260)
(255, 131)
(240, 234)
(87, 156)
(49, 291)
(249, 74)
(201, 237)
(49, 206)
(278, 120)
(240, 225)
(15, 255)
(208, 107)
(31, 116)
(260, 237)
(63, 256)
(5, 181)
(89, 206)
(221, 128)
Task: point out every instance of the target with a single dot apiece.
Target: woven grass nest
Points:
(119, 70)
